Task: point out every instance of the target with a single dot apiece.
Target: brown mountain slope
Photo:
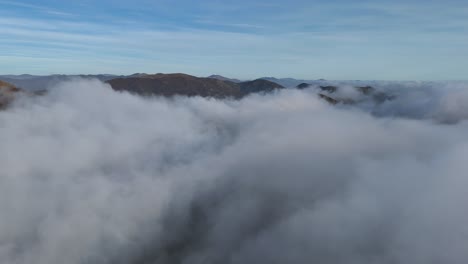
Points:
(7, 93)
(187, 85)
(175, 84)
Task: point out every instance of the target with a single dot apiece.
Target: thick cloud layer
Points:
(90, 176)
(445, 102)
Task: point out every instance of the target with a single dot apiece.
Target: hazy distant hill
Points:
(183, 84)
(258, 86)
(291, 82)
(222, 78)
(286, 82)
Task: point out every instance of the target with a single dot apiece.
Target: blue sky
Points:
(334, 39)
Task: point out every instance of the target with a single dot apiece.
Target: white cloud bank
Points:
(89, 175)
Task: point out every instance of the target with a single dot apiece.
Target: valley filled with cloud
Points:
(91, 175)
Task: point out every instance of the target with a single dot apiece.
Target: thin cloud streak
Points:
(44, 9)
(367, 34)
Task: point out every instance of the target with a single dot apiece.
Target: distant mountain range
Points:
(35, 82)
(179, 84)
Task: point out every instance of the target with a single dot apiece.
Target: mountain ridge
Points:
(187, 85)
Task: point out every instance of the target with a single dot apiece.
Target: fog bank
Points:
(89, 175)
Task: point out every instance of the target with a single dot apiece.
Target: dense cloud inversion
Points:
(89, 175)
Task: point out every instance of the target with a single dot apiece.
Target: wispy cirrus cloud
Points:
(36, 7)
(316, 39)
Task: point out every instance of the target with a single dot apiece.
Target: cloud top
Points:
(90, 175)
